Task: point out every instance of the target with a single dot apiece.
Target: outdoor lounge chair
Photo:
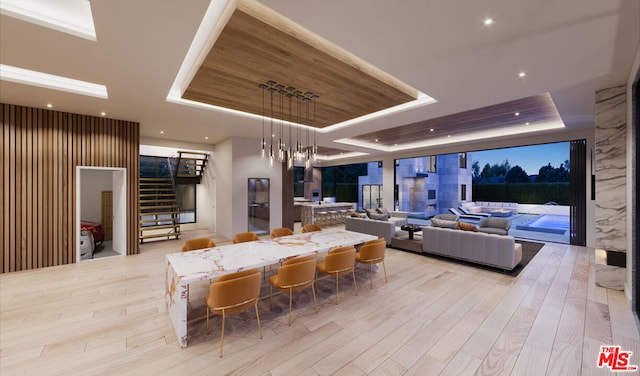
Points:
(465, 216)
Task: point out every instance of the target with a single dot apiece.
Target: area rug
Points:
(529, 250)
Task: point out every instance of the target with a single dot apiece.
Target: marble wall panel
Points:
(610, 168)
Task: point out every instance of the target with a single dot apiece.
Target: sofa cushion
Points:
(467, 226)
(378, 216)
(435, 222)
(383, 211)
(446, 217)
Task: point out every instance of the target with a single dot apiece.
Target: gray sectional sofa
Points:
(381, 229)
(494, 250)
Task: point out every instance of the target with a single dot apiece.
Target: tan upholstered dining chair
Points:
(372, 252)
(280, 231)
(232, 293)
(197, 243)
(295, 275)
(340, 261)
(243, 237)
(311, 227)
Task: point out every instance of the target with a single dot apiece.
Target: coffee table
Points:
(411, 228)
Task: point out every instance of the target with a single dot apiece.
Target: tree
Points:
(516, 175)
(550, 174)
(475, 167)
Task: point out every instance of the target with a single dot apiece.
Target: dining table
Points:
(185, 268)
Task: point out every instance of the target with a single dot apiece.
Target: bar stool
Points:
(333, 217)
(342, 214)
(321, 218)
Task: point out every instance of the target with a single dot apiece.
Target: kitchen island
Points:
(318, 212)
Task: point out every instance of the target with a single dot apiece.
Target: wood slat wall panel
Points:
(40, 152)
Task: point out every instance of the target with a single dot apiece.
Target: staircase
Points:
(158, 212)
(188, 167)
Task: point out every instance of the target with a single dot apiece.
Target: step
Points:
(166, 212)
(158, 227)
(155, 186)
(193, 153)
(167, 235)
(157, 207)
(172, 221)
(157, 195)
(156, 190)
(154, 179)
(158, 200)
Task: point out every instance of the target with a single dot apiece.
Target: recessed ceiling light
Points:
(49, 105)
(517, 114)
(206, 137)
(431, 130)
(161, 132)
(522, 74)
(103, 113)
(488, 21)
(448, 135)
(376, 140)
(527, 123)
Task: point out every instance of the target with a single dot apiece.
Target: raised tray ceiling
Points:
(257, 45)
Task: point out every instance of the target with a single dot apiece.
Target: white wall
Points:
(92, 183)
(237, 160)
(223, 170)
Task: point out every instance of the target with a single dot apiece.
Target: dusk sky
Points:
(530, 158)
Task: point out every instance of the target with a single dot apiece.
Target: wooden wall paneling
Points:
(71, 189)
(55, 151)
(28, 179)
(41, 149)
(48, 172)
(38, 190)
(6, 155)
(18, 183)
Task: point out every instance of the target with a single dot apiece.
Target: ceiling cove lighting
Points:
(73, 17)
(216, 17)
(50, 81)
(452, 139)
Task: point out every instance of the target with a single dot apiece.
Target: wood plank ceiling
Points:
(258, 45)
(533, 110)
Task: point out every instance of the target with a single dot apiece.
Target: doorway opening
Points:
(101, 201)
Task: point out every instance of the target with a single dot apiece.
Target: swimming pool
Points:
(549, 223)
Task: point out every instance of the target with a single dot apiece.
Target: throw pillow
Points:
(369, 212)
(354, 214)
(467, 226)
(383, 211)
(435, 222)
(448, 224)
(378, 216)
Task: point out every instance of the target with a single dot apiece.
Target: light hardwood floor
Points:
(433, 317)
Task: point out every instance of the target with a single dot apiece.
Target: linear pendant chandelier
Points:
(303, 151)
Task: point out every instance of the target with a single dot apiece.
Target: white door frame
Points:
(119, 188)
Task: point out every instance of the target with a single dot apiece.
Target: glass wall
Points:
(359, 183)
(158, 167)
(535, 174)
